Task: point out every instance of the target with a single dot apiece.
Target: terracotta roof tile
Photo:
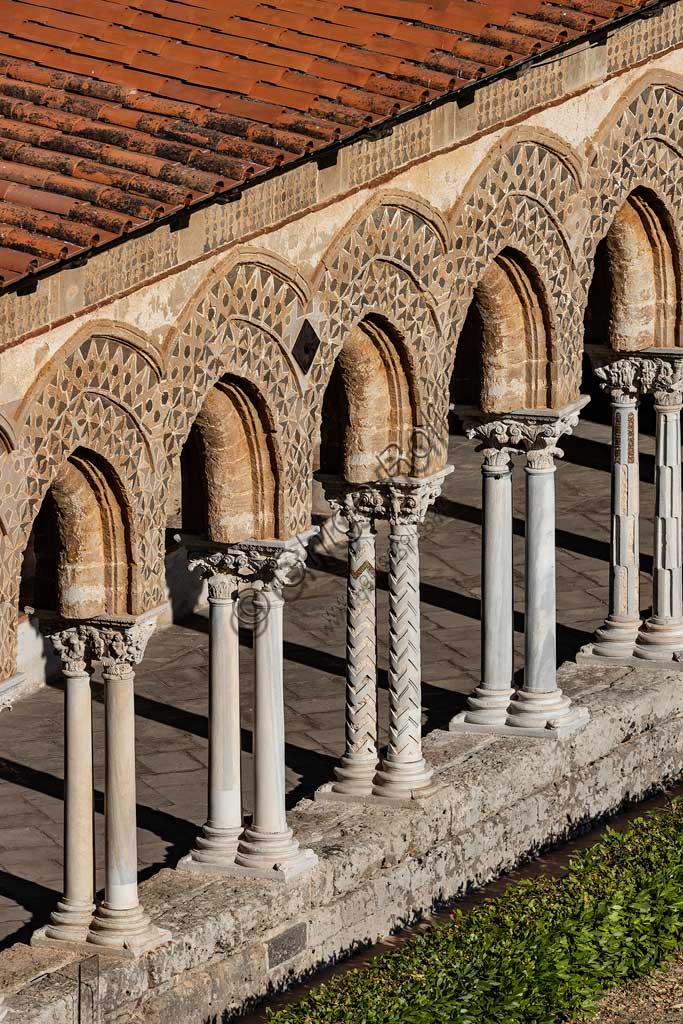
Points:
(114, 113)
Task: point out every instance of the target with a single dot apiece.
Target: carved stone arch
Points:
(637, 146)
(391, 264)
(243, 322)
(528, 198)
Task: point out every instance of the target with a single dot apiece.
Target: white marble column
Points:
(616, 638)
(71, 919)
(540, 707)
(120, 925)
(216, 846)
(268, 847)
(487, 705)
(403, 771)
(662, 635)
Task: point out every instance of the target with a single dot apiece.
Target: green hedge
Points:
(543, 951)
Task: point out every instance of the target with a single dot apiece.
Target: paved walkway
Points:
(172, 682)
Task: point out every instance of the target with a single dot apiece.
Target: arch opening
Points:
(368, 409)
(77, 561)
(226, 479)
(502, 359)
(634, 300)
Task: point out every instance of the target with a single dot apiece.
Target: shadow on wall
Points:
(186, 592)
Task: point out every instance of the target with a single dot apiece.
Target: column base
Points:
(275, 855)
(124, 933)
(215, 849)
(354, 778)
(659, 640)
(616, 639)
(484, 707)
(402, 781)
(69, 923)
(538, 713)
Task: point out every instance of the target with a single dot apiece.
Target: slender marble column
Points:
(616, 638)
(120, 924)
(216, 847)
(488, 704)
(356, 770)
(71, 919)
(267, 846)
(540, 705)
(662, 635)
(403, 770)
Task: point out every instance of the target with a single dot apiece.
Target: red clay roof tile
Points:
(114, 113)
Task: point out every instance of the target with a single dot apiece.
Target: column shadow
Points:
(577, 543)
(177, 833)
(32, 896)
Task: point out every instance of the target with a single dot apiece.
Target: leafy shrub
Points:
(544, 950)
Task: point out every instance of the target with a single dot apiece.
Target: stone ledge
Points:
(499, 801)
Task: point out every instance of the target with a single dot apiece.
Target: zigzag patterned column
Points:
(404, 771)
(359, 762)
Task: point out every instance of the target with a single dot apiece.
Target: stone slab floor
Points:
(172, 682)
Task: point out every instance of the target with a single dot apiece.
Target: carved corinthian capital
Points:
(622, 379)
(120, 644)
(359, 504)
(493, 441)
(222, 570)
(664, 379)
(406, 500)
(74, 648)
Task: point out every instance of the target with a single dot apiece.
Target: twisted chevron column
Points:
(621, 380)
(403, 770)
(662, 635)
(357, 767)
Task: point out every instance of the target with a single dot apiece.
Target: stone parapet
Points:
(495, 801)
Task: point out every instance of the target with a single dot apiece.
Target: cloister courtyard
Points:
(171, 682)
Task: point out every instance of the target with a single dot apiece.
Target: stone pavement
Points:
(172, 682)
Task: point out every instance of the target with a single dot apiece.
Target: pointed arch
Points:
(242, 322)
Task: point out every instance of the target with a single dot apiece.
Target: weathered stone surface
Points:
(496, 803)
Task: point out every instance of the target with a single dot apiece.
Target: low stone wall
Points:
(497, 801)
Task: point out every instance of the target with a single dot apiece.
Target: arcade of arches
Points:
(281, 406)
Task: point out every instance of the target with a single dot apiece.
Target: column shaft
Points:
(225, 798)
(71, 919)
(121, 855)
(617, 636)
(487, 704)
(662, 634)
(269, 718)
(540, 707)
(540, 652)
(403, 770)
(120, 924)
(268, 847)
(216, 846)
(358, 765)
(79, 869)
